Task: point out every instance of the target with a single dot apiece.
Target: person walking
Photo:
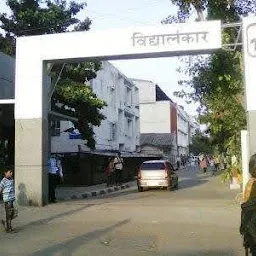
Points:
(248, 214)
(8, 191)
(212, 166)
(217, 163)
(119, 165)
(204, 164)
(110, 171)
(55, 174)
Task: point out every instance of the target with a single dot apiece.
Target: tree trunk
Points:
(199, 10)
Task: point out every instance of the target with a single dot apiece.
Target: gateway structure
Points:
(32, 87)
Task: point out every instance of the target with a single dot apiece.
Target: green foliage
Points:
(72, 96)
(216, 82)
(38, 17)
(82, 103)
(226, 10)
(201, 144)
(230, 172)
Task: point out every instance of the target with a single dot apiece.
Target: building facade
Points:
(7, 76)
(157, 115)
(7, 134)
(182, 131)
(120, 131)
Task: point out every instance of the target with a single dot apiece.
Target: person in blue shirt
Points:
(55, 175)
(8, 191)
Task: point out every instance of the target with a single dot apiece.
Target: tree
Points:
(201, 144)
(216, 82)
(72, 96)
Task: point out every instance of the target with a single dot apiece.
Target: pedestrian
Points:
(204, 164)
(110, 171)
(212, 166)
(119, 165)
(217, 163)
(248, 214)
(8, 191)
(55, 173)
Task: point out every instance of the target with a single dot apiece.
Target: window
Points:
(121, 147)
(152, 166)
(55, 128)
(128, 97)
(112, 96)
(112, 131)
(129, 128)
(137, 125)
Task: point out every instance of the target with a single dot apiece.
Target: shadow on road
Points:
(68, 247)
(46, 220)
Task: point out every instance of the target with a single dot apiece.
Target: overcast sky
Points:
(122, 14)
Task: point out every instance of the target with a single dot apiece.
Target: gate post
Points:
(249, 54)
(245, 157)
(31, 125)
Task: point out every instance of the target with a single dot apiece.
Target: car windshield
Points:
(152, 166)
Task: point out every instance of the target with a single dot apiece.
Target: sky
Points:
(122, 14)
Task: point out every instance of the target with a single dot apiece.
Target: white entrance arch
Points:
(32, 86)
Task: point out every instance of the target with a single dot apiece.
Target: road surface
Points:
(201, 218)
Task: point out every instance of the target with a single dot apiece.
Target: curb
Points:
(95, 193)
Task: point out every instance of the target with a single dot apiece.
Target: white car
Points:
(157, 173)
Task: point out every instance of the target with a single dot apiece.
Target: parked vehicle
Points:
(157, 173)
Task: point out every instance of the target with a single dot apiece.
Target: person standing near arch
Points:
(55, 175)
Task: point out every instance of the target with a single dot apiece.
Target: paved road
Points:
(201, 218)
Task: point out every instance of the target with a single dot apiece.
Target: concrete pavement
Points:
(71, 193)
(201, 218)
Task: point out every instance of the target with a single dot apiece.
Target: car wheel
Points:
(140, 189)
(176, 186)
(169, 188)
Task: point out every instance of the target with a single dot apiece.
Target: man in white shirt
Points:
(119, 165)
(55, 175)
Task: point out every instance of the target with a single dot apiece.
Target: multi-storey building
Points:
(182, 131)
(118, 132)
(121, 129)
(157, 116)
